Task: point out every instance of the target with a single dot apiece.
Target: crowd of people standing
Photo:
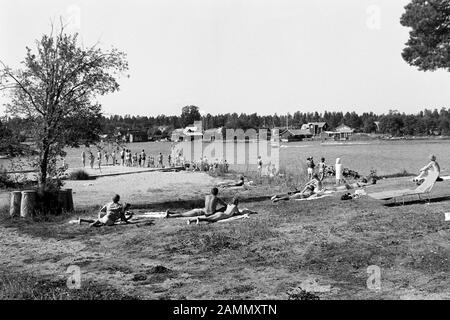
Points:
(125, 157)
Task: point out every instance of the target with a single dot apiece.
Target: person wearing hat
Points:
(110, 213)
(432, 165)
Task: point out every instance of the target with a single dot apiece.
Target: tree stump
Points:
(62, 201)
(28, 203)
(65, 200)
(14, 209)
(70, 207)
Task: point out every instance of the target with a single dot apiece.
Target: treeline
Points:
(427, 122)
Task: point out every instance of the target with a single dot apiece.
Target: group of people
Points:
(205, 165)
(125, 158)
(216, 209)
(323, 169)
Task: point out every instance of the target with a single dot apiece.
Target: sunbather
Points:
(433, 165)
(238, 183)
(110, 213)
(231, 210)
(313, 186)
(211, 202)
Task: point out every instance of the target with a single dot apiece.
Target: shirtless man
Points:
(231, 210)
(211, 202)
(109, 214)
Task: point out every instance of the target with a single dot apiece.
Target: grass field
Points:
(323, 247)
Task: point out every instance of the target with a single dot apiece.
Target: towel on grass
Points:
(447, 216)
(243, 216)
(313, 197)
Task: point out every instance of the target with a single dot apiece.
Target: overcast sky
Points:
(262, 56)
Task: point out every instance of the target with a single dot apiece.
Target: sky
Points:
(264, 56)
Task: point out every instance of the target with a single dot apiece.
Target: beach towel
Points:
(154, 215)
(244, 216)
(313, 197)
(447, 216)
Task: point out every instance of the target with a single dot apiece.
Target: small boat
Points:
(4, 156)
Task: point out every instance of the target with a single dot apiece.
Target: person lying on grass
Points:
(110, 213)
(211, 202)
(312, 187)
(231, 210)
(238, 183)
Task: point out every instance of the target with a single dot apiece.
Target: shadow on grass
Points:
(416, 201)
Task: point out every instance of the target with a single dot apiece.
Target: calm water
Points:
(386, 157)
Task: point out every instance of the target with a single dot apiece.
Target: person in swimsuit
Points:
(211, 202)
(312, 187)
(238, 183)
(310, 166)
(322, 168)
(110, 213)
(230, 211)
(433, 165)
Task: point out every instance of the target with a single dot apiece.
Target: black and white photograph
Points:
(252, 152)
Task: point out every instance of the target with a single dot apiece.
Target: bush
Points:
(5, 180)
(79, 175)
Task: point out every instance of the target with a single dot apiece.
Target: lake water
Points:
(386, 157)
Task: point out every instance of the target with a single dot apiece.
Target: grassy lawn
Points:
(323, 247)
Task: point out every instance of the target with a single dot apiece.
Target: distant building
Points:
(295, 135)
(178, 135)
(212, 134)
(191, 132)
(137, 136)
(316, 128)
(343, 132)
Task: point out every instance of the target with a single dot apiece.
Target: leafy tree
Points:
(56, 89)
(189, 114)
(428, 47)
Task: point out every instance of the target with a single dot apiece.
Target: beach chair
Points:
(424, 189)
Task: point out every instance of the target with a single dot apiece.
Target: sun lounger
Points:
(424, 189)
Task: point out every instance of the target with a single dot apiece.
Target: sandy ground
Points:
(324, 246)
(140, 188)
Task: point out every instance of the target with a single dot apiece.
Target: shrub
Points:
(79, 175)
(5, 180)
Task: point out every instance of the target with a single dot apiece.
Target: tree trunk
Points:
(28, 203)
(43, 165)
(70, 207)
(14, 209)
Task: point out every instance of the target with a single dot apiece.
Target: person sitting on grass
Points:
(110, 213)
(231, 210)
(211, 202)
(433, 165)
(313, 186)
